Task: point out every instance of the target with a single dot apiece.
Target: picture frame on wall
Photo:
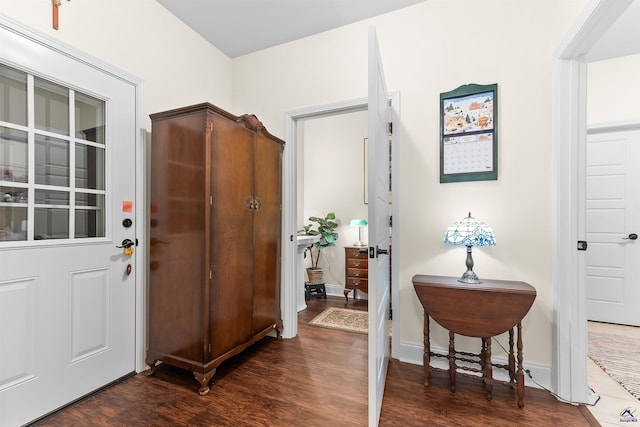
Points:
(468, 133)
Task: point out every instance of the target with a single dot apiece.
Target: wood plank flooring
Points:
(316, 379)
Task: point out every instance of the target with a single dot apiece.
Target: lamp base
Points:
(360, 243)
(471, 280)
(469, 276)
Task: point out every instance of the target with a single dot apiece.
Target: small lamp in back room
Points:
(359, 223)
(469, 232)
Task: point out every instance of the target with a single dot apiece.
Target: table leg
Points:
(520, 373)
(488, 368)
(346, 292)
(483, 352)
(426, 357)
(512, 360)
(452, 362)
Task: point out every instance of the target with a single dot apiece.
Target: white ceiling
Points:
(238, 27)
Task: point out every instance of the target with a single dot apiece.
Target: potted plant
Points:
(326, 229)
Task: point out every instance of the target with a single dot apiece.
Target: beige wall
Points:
(430, 48)
(613, 90)
(177, 66)
(427, 49)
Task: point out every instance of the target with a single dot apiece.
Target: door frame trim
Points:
(290, 209)
(140, 202)
(569, 129)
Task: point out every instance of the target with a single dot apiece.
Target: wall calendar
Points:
(468, 134)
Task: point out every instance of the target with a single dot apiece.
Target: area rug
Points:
(619, 357)
(343, 319)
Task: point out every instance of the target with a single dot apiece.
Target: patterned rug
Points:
(343, 319)
(619, 357)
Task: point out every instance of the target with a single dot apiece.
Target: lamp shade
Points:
(469, 231)
(358, 222)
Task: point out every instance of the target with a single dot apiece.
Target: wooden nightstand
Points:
(356, 269)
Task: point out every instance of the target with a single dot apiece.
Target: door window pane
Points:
(13, 222)
(13, 195)
(13, 155)
(89, 167)
(52, 197)
(13, 96)
(89, 118)
(51, 223)
(52, 161)
(51, 106)
(90, 219)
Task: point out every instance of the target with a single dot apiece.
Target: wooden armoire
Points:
(215, 237)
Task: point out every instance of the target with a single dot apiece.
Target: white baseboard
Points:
(338, 291)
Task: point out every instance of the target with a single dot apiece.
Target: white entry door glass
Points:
(612, 219)
(378, 178)
(67, 156)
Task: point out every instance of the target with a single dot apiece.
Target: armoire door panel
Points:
(267, 238)
(232, 159)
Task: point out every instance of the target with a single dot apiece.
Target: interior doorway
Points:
(331, 178)
(292, 164)
(595, 34)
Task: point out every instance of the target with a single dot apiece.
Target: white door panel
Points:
(612, 214)
(378, 178)
(67, 305)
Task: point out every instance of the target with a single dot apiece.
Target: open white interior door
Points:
(378, 230)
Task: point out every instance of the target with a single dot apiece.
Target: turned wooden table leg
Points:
(452, 362)
(346, 297)
(512, 360)
(520, 373)
(426, 357)
(488, 368)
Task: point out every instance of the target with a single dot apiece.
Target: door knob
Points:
(126, 243)
(632, 236)
(381, 251)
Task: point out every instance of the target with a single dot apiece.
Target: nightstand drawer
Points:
(355, 253)
(357, 263)
(359, 284)
(357, 272)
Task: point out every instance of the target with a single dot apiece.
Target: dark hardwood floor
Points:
(316, 379)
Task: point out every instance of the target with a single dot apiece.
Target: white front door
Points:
(613, 224)
(378, 178)
(67, 186)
